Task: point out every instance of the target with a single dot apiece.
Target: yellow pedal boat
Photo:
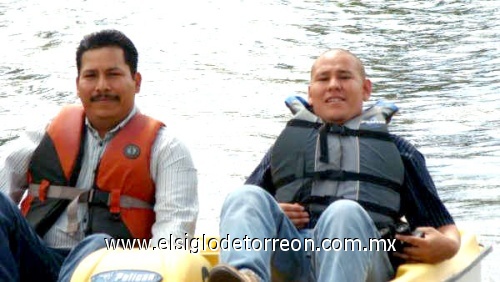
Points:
(183, 266)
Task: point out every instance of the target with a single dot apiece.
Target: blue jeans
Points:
(24, 256)
(252, 212)
(87, 246)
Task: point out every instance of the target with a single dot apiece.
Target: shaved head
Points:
(334, 51)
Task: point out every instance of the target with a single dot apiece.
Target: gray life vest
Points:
(316, 163)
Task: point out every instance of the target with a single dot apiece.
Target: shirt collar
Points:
(115, 129)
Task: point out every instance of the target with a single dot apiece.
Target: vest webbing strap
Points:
(304, 123)
(329, 128)
(77, 195)
(92, 196)
(340, 129)
(325, 201)
(345, 131)
(341, 175)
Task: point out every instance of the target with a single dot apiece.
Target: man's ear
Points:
(138, 80)
(76, 82)
(367, 89)
(309, 100)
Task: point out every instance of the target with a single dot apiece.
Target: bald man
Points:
(327, 199)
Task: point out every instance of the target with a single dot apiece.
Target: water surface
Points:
(217, 73)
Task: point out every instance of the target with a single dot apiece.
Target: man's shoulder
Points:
(150, 117)
(167, 141)
(405, 147)
(166, 138)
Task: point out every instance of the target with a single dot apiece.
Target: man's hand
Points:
(436, 246)
(296, 213)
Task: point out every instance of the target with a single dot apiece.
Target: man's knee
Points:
(249, 199)
(344, 209)
(96, 241)
(8, 210)
(247, 194)
(345, 218)
(5, 201)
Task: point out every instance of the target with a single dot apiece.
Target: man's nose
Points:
(102, 85)
(334, 83)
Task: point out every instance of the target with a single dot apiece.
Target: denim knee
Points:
(7, 211)
(247, 194)
(5, 203)
(95, 241)
(344, 210)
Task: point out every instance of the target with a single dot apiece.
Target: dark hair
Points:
(108, 38)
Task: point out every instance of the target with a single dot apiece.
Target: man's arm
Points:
(422, 207)
(261, 176)
(176, 181)
(15, 162)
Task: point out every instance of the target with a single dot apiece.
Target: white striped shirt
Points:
(172, 170)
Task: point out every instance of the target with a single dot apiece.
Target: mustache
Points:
(104, 97)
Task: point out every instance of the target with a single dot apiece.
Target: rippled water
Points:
(217, 72)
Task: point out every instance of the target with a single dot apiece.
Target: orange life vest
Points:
(123, 172)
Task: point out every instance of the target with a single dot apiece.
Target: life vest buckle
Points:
(337, 129)
(96, 197)
(88, 197)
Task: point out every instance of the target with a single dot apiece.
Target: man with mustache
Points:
(98, 171)
(334, 173)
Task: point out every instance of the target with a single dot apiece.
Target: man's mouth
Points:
(104, 97)
(334, 100)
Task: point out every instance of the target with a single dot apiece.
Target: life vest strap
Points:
(77, 195)
(341, 175)
(104, 198)
(92, 196)
(304, 123)
(340, 129)
(330, 128)
(317, 204)
(56, 191)
(345, 131)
